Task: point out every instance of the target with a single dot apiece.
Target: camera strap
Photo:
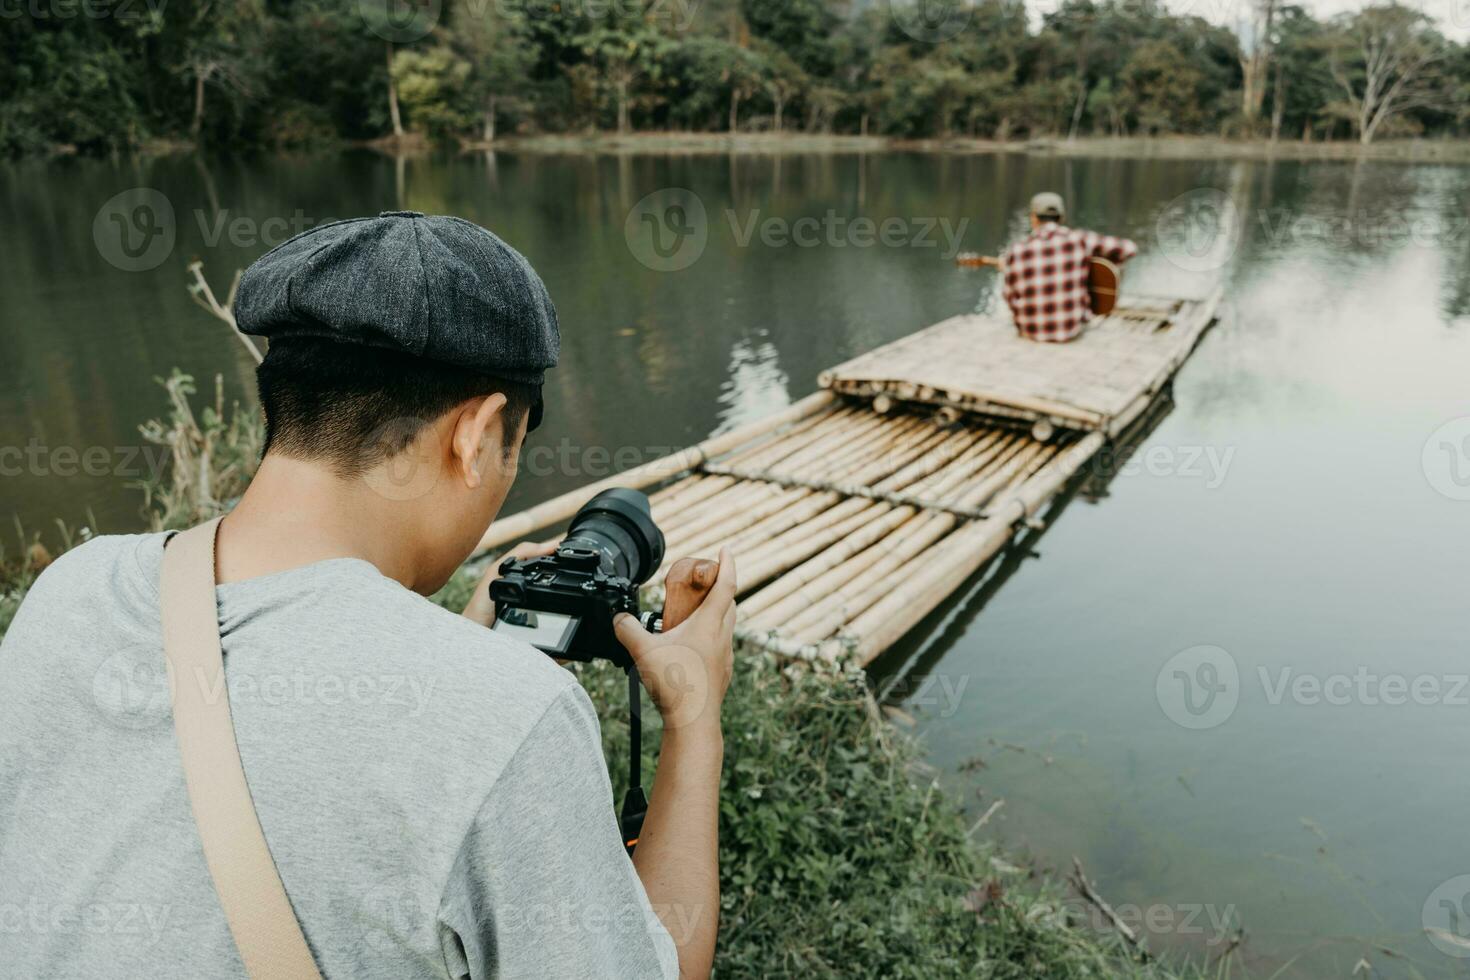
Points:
(262, 922)
(635, 804)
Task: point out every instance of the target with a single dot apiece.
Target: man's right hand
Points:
(687, 670)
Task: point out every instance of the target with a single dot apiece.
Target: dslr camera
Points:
(564, 603)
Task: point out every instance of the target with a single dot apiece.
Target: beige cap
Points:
(1048, 205)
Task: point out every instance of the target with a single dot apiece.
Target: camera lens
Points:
(618, 525)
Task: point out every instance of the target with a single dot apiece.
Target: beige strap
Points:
(261, 919)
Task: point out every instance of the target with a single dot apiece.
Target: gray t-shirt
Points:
(433, 793)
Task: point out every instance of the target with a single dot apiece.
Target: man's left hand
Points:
(480, 608)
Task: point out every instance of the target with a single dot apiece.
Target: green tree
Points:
(223, 49)
(498, 48)
(715, 75)
(1162, 88)
(431, 85)
(803, 29)
(1301, 86)
(1094, 36)
(622, 57)
(783, 79)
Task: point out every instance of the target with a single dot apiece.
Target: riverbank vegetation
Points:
(841, 854)
(112, 76)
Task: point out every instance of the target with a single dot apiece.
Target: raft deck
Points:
(857, 511)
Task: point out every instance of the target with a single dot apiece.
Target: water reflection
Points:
(756, 386)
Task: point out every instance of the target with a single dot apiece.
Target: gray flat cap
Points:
(1049, 205)
(437, 287)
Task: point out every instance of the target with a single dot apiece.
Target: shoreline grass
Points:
(1143, 148)
(1435, 151)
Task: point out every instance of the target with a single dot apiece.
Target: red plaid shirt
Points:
(1046, 275)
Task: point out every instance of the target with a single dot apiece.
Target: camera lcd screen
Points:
(546, 631)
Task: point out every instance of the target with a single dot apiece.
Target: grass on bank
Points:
(839, 857)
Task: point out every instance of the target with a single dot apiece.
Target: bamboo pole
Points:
(779, 557)
(999, 474)
(799, 437)
(923, 584)
(827, 498)
(704, 486)
(829, 597)
(813, 580)
(759, 519)
(891, 438)
(966, 551)
(806, 553)
(707, 532)
(760, 504)
(752, 540)
(713, 508)
(852, 514)
(782, 647)
(980, 401)
(912, 462)
(846, 591)
(795, 434)
(561, 508)
(865, 578)
(830, 524)
(929, 463)
(673, 490)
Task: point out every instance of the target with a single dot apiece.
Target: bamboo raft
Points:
(855, 512)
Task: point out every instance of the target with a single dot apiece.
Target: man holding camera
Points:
(432, 793)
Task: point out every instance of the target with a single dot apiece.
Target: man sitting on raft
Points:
(1045, 275)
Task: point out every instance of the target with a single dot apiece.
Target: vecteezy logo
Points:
(667, 230)
(392, 464)
(1199, 231)
(135, 230)
(1446, 459)
(393, 914)
(930, 21)
(400, 21)
(130, 688)
(1199, 687)
(1446, 917)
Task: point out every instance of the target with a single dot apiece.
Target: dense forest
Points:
(98, 76)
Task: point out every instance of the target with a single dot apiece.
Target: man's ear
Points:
(467, 443)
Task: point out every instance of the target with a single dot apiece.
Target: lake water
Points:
(1228, 676)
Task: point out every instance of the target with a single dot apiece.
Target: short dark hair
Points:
(354, 406)
(1055, 219)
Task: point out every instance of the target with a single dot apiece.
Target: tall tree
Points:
(495, 42)
(1257, 39)
(1301, 85)
(782, 79)
(623, 57)
(1386, 60)
(223, 49)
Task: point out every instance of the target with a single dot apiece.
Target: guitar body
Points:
(1104, 279)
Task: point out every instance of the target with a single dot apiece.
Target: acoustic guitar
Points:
(1104, 279)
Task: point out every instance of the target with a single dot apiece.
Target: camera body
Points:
(564, 603)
